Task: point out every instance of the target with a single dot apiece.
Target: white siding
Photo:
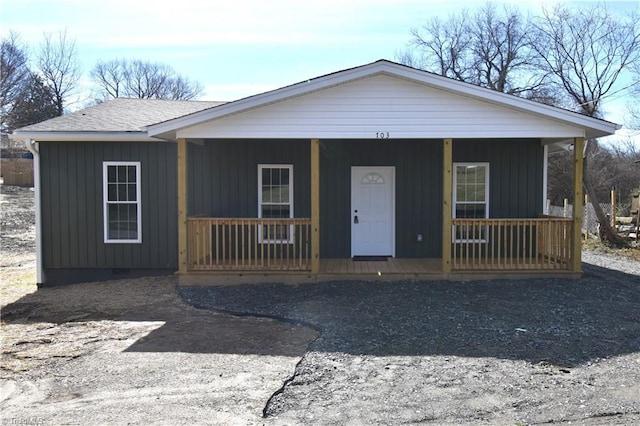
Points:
(362, 108)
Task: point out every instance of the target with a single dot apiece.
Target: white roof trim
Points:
(595, 127)
(87, 136)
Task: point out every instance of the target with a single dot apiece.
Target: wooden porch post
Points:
(447, 168)
(576, 237)
(315, 206)
(182, 205)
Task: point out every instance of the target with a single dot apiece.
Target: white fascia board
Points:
(595, 127)
(84, 136)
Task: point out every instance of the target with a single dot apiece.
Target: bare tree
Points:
(585, 51)
(140, 79)
(109, 76)
(13, 74)
(489, 48)
(58, 66)
(503, 58)
(442, 47)
(634, 104)
(181, 88)
(609, 166)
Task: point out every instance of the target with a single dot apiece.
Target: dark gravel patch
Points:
(528, 351)
(562, 322)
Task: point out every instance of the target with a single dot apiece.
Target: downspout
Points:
(33, 147)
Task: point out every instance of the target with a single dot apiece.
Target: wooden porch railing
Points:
(511, 244)
(246, 244)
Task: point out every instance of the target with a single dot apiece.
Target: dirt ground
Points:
(140, 352)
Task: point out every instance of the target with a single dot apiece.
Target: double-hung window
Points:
(275, 201)
(470, 199)
(121, 192)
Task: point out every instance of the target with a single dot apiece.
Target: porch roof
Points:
(297, 105)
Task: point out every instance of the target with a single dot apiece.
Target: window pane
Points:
(266, 177)
(122, 174)
(132, 212)
(132, 195)
(122, 192)
(470, 211)
(284, 194)
(112, 211)
(284, 176)
(112, 192)
(131, 174)
(461, 194)
(275, 176)
(477, 193)
(111, 173)
(266, 195)
(275, 212)
(275, 194)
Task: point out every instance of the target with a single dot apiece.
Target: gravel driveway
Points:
(503, 352)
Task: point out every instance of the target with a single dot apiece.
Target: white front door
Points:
(372, 211)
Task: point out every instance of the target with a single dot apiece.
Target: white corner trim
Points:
(33, 147)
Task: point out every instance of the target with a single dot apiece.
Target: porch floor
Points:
(393, 265)
(347, 269)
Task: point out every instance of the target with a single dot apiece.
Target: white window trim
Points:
(291, 238)
(455, 202)
(105, 166)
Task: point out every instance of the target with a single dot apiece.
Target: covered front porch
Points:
(469, 247)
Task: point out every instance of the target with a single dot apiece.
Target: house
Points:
(378, 169)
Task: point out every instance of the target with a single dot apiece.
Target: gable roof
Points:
(154, 120)
(591, 127)
(120, 118)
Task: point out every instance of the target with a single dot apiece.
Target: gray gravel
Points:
(503, 351)
(610, 262)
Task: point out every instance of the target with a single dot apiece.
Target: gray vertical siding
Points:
(515, 174)
(72, 214)
(223, 175)
(223, 183)
(223, 180)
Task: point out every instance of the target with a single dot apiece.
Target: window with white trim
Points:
(275, 200)
(122, 208)
(470, 198)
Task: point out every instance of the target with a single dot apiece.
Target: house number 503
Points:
(382, 135)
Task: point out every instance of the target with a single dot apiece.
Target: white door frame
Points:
(392, 170)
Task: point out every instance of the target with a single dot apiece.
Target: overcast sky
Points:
(238, 48)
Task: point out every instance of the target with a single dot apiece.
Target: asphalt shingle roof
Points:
(120, 115)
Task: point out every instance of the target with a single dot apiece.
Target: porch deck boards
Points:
(393, 265)
(249, 264)
(327, 266)
(540, 263)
